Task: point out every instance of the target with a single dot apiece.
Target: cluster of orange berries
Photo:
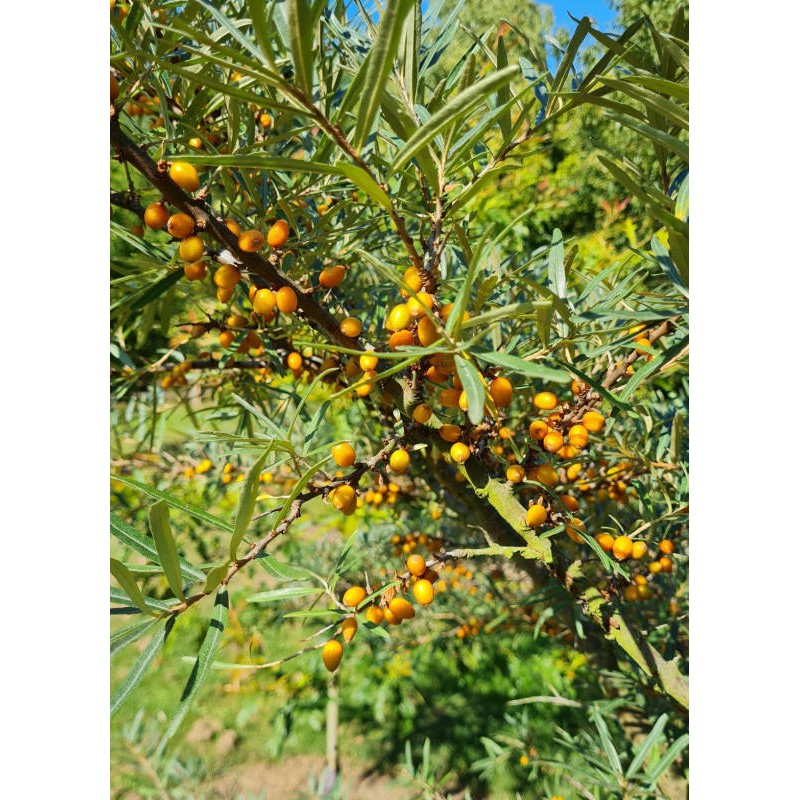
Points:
(641, 585)
(406, 544)
(393, 608)
(177, 375)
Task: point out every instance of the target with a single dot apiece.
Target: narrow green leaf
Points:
(165, 545)
(682, 201)
(562, 73)
(186, 508)
(301, 43)
(590, 381)
(247, 502)
(666, 263)
(531, 369)
(608, 745)
(409, 48)
(503, 94)
(130, 634)
(645, 747)
(205, 657)
(120, 598)
(666, 140)
(128, 584)
(644, 371)
(140, 667)
(461, 104)
(378, 66)
(261, 28)
(672, 753)
(473, 386)
(555, 265)
(281, 570)
(275, 595)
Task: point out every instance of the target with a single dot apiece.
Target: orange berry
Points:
(666, 563)
(374, 614)
(666, 546)
(422, 413)
(349, 628)
(236, 321)
(251, 241)
(399, 461)
(180, 225)
(278, 234)
(391, 617)
(576, 387)
(623, 547)
(578, 436)
(191, 248)
(114, 88)
(546, 475)
(501, 392)
(350, 326)
(401, 339)
(573, 470)
(416, 565)
(344, 499)
(227, 276)
(332, 654)
(401, 608)
(505, 433)
(233, 227)
(331, 276)
(574, 527)
(185, 175)
(413, 280)
(423, 592)
(286, 298)
(570, 503)
(265, 120)
(538, 429)
(593, 421)
(156, 216)
(643, 591)
(545, 400)
(427, 333)
(515, 473)
(263, 302)
(195, 271)
(354, 596)
(450, 433)
(639, 550)
(367, 362)
(399, 317)
(447, 309)
(417, 305)
(631, 593)
(459, 452)
(224, 294)
(654, 567)
(294, 361)
(535, 515)
(553, 442)
(226, 338)
(343, 454)
(605, 540)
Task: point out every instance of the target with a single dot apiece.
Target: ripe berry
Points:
(349, 628)
(427, 333)
(423, 592)
(332, 654)
(459, 452)
(391, 617)
(367, 362)
(180, 225)
(416, 565)
(191, 248)
(605, 540)
(195, 271)
(401, 339)
(226, 338)
(417, 305)
(227, 276)
(294, 361)
(623, 547)
(374, 614)
(224, 294)
(343, 499)
(233, 227)
(265, 120)
(422, 413)
(343, 454)
(264, 302)
(251, 241)
(156, 216)
(593, 421)
(666, 563)
(286, 298)
(578, 436)
(654, 567)
(639, 550)
(278, 234)
(331, 276)
(185, 175)
(413, 280)
(399, 317)
(666, 546)
(501, 392)
(535, 515)
(515, 473)
(350, 326)
(545, 400)
(574, 528)
(553, 442)
(399, 461)
(401, 608)
(538, 429)
(570, 503)
(354, 595)
(546, 475)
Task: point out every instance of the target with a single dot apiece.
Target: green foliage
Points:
(539, 186)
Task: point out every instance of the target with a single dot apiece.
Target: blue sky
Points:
(599, 10)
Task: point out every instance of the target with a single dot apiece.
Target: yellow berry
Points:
(278, 234)
(185, 175)
(354, 595)
(349, 628)
(332, 654)
(399, 461)
(343, 454)
(416, 565)
(423, 592)
(251, 241)
(459, 452)
(535, 515)
(545, 400)
(401, 608)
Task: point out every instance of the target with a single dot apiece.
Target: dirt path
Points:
(295, 778)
